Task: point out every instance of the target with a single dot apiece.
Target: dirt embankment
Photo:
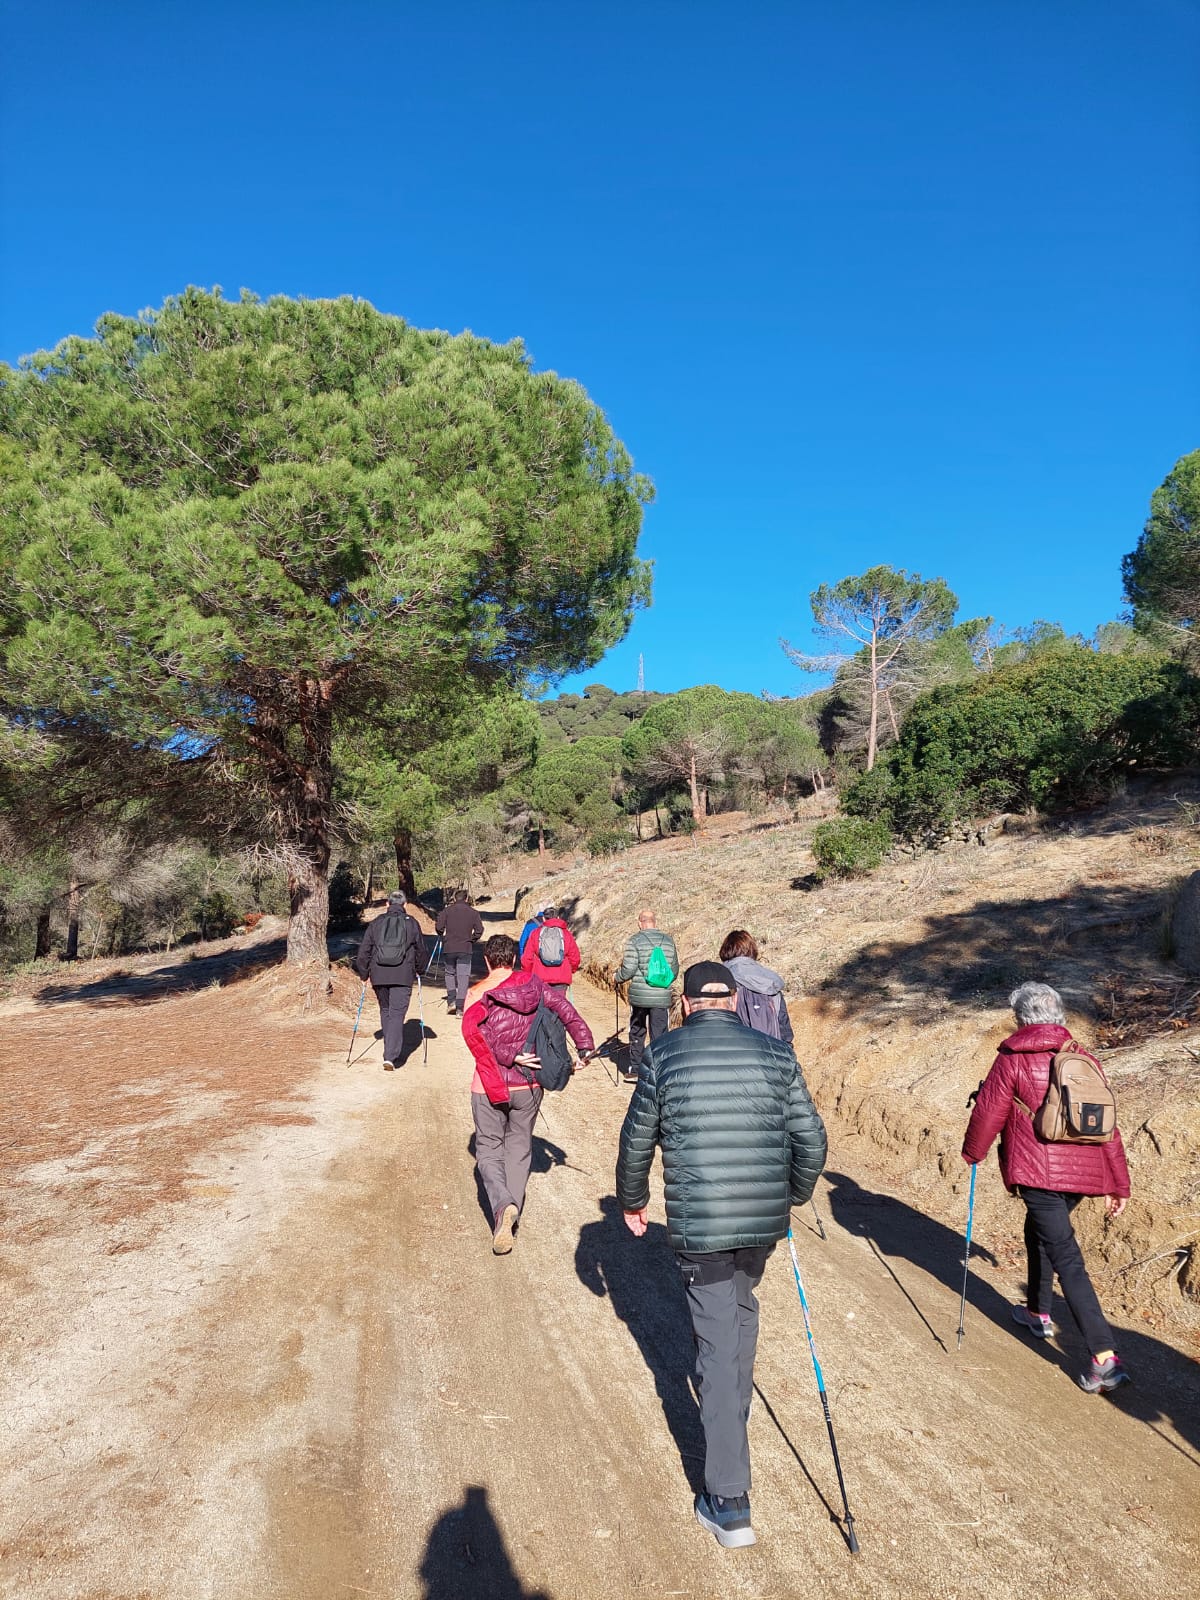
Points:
(898, 986)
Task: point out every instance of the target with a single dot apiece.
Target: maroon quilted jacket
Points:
(1022, 1069)
(496, 1027)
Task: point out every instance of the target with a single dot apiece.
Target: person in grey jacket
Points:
(760, 991)
(649, 1006)
(741, 1143)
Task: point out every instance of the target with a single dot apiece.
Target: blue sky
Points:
(875, 281)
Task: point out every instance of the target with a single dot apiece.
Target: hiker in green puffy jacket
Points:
(649, 1000)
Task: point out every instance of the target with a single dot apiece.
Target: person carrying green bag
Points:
(650, 967)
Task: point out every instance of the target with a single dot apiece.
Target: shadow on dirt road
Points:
(466, 1557)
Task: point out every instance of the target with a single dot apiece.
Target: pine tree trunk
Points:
(369, 885)
(73, 898)
(541, 843)
(697, 813)
(308, 893)
(41, 943)
(404, 865)
(308, 873)
(873, 734)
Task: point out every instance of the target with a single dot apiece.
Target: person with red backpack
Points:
(1052, 1161)
(760, 1005)
(388, 956)
(502, 1013)
(550, 953)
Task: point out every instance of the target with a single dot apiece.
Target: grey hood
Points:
(753, 975)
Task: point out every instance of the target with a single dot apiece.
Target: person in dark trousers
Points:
(741, 1143)
(388, 956)
(760, 990)
(649, 1004)
(458, 926)
(1051, 1179)
(504, 1096)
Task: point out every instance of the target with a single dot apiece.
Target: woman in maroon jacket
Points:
(1050, 1178)
(504, 1095)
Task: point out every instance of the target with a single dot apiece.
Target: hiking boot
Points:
(727, 1520)
(502, 1239)
(1033, 1322)
(1101, 1376)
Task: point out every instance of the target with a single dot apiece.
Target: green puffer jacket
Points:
(741, 1138)
(635, 961)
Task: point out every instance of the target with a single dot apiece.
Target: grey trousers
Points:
(504, 1146)
(720, 1294)
(458, 980)
(393, 1008)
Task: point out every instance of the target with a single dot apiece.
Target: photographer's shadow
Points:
(641, 1280)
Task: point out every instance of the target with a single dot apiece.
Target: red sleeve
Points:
(991, 1109)
(566, 1012)
(490, 1074)
(572, 950)
(1114, 1151)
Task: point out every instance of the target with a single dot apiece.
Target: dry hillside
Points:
(898, 987)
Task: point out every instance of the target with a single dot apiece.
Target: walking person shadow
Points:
(1164, 1388)
(466, 1557)
(641, 1279)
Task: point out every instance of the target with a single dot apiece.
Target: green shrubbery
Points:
(848, 847)
(1042, 734)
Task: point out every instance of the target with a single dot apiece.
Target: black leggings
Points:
(1053, 1248)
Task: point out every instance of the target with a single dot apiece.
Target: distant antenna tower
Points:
(641, 688)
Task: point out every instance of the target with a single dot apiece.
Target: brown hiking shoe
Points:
(502, 1239)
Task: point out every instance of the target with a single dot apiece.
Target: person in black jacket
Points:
(741, 1143)
(388, 956)
(458, 926)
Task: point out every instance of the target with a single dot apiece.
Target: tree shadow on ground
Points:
(182, 974)
(466, 1557)
(983, 952)
(641, 1279)
(1164, 1387)
(545, 1157)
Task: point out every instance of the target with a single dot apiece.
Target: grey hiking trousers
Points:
(504, 1146)
(720, 1293)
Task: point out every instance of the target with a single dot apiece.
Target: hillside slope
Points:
(898, 987)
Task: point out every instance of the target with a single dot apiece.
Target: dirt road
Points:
(256, 1347)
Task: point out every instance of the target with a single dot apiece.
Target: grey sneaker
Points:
(1101, 1376)
(727, 1520)
(502, 1239)
(1033, 1322)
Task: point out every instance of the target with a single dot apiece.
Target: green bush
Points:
(607, 842)
(1046, 733)
(850, 847)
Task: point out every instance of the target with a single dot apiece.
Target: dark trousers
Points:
(720, 1293)
(1052, 1247)
(504, 1146)
(458, 979)
(393, 1008)
(640, 1018)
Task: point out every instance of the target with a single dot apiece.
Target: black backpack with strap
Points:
(547, 1040)
(395, 939)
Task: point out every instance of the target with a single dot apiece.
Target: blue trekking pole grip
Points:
(962, 1309)
(848, 1516)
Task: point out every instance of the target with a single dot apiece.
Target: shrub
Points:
(607, 842)
(850, 847)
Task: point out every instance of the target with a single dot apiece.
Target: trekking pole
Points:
(433, 956)
(357, 1016)
(817, 1219)
(851, 1540)
(962, 1310)
(421, 1014)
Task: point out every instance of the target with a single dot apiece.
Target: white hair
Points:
(1037, 1002)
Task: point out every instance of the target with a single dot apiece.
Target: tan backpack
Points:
(1079, 1107)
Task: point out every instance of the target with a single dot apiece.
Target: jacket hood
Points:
(1040, 1038)
(521, 992)
(753, 975)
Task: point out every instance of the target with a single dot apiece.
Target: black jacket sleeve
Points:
(809, 1144)
(639, 1137)
(362, 961)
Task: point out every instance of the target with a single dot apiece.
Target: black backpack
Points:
(547, 1040)
(394, 939)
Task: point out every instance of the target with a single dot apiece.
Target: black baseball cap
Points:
(709, 980)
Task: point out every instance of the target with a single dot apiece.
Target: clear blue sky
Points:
(856, 282)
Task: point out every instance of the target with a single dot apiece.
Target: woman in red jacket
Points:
(504, 1095)
(559, 974)
(1050, 1178)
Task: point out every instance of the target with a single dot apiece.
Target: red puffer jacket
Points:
(1022, 1069)
(567, 969)
(497, 1026)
